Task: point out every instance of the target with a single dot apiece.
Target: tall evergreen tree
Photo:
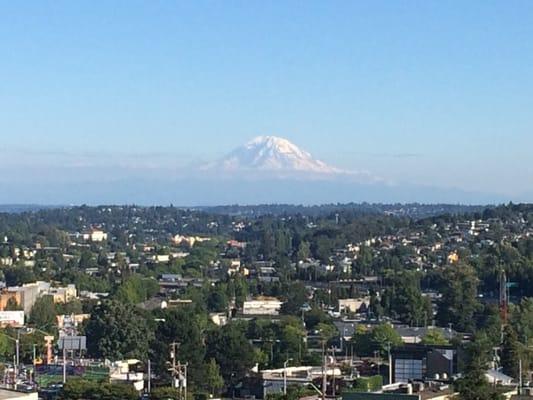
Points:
(459, 304)
(510, 352)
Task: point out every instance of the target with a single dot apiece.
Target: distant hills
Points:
(265, 170)
(413, 210)
(19, 208)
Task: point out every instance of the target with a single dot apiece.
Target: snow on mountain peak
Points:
(271, 153)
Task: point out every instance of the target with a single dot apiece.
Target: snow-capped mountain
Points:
(271, 154)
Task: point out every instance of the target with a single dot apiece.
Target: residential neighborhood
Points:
(330, 305)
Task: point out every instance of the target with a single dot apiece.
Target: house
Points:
(353, 305)
(188, 241)
(219, 319)
(94, 235)
(453, 258)
(266, 274)
(236, 244)
(161, 258)
(180, 254)
(262, 305)
(121, 372)
(234, 267)
(169, 283)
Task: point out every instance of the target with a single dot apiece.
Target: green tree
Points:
(458, 304)
(326, 332)
(76, 389)
(522, 318)
(295, 297)
(315, 316)
(165, 393)
(217, 300)
(378, 339)
(72, 307)
(117, 331)
(375, 306)
(362, 341)
(136, 289)
(474, 385)
(182, 326)
(232, 351)
(292, 339)
(434, 337)
(369, 383)
(510, 352)
(17, 275)
(384, 336)
(304, 251)
(43, 312)
(405, 301)
(213, 378)
(7, 347)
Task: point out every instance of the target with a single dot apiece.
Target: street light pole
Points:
(390, 363)
(34, 364)
(64, 364)
(18, 347)
(17, 360)
(149, 376)
(285, 375)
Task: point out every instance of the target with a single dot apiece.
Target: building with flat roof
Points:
(262, 306)
(6, 394)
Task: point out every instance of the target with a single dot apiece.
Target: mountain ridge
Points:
(271, 154)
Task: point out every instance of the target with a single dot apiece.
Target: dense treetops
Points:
(404, 247)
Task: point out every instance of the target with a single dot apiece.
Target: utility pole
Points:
(17, 342)
(17, 346)
(324, 379)
(185, 382)
(149, 376)
(334, 364)
(285, 375)
(17, 357)
(179, 372)
(173, 346)
(34, 364)
(390, 363)
(64, 363)
(519, 376)
(15, 372)
(345, 344)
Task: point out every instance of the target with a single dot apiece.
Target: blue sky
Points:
(435, 93)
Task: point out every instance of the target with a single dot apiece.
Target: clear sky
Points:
(426, 92)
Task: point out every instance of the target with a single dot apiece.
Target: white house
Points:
(262, 306)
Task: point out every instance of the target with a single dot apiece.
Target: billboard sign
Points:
(11, 318)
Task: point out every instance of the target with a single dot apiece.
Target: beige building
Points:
(262, 306)
(63, 294)
(352, 305)
(95, 235)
